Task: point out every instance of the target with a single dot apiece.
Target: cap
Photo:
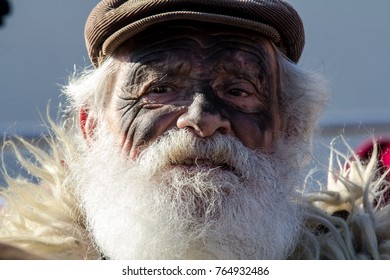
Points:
(112, 22)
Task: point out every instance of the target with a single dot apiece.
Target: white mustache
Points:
(181, 147)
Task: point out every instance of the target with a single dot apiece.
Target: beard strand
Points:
(240, 204)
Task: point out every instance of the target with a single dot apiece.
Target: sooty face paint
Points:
(198, 78)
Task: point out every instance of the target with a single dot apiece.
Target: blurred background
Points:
(42, 43)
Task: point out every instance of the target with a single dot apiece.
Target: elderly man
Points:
(188, 140)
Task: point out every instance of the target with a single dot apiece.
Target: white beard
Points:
(148, 209)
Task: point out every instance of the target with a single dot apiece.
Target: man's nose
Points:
(204, 118)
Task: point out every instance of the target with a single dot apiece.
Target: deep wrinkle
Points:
(126, 122)
(162, 70)
(158, 85)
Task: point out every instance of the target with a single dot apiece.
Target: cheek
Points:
(256, 131)
(139, 126)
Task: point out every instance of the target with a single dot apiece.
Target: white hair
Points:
(89, 89)
(303, 97)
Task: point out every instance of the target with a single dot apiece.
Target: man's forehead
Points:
(209, 61)
(174, 41)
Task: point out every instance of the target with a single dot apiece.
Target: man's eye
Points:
(160, 89)
(238, 93)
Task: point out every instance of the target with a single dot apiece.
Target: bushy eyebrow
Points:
(249, 71)
(252, 71)
(162, 66)
(138, 74)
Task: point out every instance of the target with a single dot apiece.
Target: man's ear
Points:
(87, 124)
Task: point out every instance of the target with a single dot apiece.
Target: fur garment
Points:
(346, 219)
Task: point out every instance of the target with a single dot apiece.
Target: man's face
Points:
(207, 82)
(188, 161)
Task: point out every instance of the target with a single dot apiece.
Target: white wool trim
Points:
(45, 218)
(352, 190)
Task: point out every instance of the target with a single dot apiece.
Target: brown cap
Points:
(112, 22)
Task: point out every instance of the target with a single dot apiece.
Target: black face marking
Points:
(229, 75)
(205, 97)
(127, 117)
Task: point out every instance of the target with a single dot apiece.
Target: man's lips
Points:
(202, 163)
